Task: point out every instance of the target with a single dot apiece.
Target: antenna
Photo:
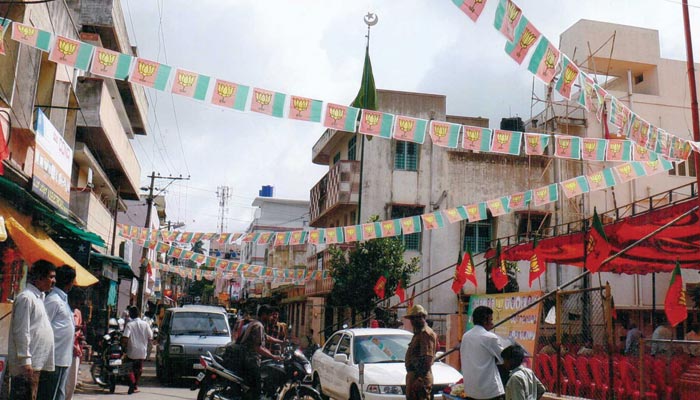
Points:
(223, 193)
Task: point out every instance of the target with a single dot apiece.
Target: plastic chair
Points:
(573, 383)
(544, 367)
(588, 386)
(599, 371)
(629, 377)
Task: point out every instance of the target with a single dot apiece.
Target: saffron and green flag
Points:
(526, 36)
(464, 272)
(593, 149)
(410, 225)
(409, 129)
(544, 61)
(618, 150)
(629, 171)
(663, 143)
(597, 247)
(390, 228)
(657, 166)
(472, 8)
(601, 180)
(535, 143)
(653, 137)
(367, 95)
(370, 231)
(433, 220)
(520, 200)
(508, 15)
(567, 77)
(342, 118)
(444, 134)
(638, 130)
(641, 153)
(376, 123)
(566, 146)
(73, 53)
(31, 36)
(506, 142)
(476, 139)
(264, 238)
(298, 237)
(619, 117)
(545, 195)
(190, 84)
(305, 109)
(268, 102)
(675, 304)
(353, 233)
(230, 95)
(334, 235)
(538, 266)
(499, 273)
(575, 187)
(4, 24)
(150, 74)
(477, 212)
(282, 239)
(316, 236)
(456, 214)
(498, 206)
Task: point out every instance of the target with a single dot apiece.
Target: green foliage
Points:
(356, 271)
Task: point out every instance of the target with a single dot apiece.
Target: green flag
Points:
(367, 96)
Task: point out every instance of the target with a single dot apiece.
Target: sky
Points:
(315, 48)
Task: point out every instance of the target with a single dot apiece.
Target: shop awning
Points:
(123, 267)
(35, 244)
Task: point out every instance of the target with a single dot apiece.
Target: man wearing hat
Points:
(522, 383)
(419, 356)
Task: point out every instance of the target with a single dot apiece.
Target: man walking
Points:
(31, 342)
(420, 356)
(52, 384)
(137, 336)
(479, 352)
(275, 329)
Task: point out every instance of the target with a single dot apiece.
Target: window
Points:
(336, 158)
(477, 236)
(531, 223)
(344, 346)
(412, 240)
(329, 348)
(406, 157)
(686, 168)
(352, 144)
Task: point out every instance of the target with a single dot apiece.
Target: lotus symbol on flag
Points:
(563, 145)
(336, 113)
(570, 186)
(368, 229)
(473, 212)
(589, 147)
(526, 41)
(472, 7)
(300, 105)
(641, 150)
(542, 193)
(590, 244)
(26, 31)
(185, 80)
(351, 231)
(516, 199)
(452, 212)
(405, 125)
(625, 170)
(388, 225)
(615, 148)
(407, 223)
(569, 74)
(513, 12)
(429, 219)
(371, 119)
(146, 70)
(502, 138)
(106, 59)
(66, 48)
(636, 127)
(495, 206)
(533, 141)
(225, 91)
(263, 99)
(549, 58)
(596, 178)
(653, 165)
(473, 135)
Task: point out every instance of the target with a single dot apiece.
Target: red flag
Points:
(401, 292)
(537, 263)
(380, 287)
(499, 275)
(464, 272)
(413, 296)
(674, 304)
(597, 246)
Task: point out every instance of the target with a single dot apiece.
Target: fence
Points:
(662, 369)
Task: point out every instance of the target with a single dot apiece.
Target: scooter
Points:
(289, 379)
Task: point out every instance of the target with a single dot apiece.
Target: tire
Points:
(209, 390)
(355, 393)
(112, 383)
(317, 386)
(95, 372)
(301, 393)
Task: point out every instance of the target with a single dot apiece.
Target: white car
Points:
(382, 351)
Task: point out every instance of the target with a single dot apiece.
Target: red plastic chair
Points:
(599, 371)
(588, 386)
(574, 384)
(544, 368)
(629, 377)
(659, 375)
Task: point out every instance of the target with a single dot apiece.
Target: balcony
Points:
(337, 191)
(104, 134)
(318, 287)
(87, 206)
(106, 20)
(327, 144)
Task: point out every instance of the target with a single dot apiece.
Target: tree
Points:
(356, 271)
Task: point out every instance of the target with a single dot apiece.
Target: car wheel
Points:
(355, 393)
(317, 386)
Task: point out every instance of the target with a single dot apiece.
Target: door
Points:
(323, 362)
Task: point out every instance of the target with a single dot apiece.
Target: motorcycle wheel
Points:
(209, 390)
(96, 372)
(112, 383)
(301, 393)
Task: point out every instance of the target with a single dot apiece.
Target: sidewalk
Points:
(87, 386)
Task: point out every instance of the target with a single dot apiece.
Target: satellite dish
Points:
(371, 19)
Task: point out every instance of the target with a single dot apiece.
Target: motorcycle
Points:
(106, 370)
(289, 379)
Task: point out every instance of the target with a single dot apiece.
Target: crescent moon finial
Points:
(371, 19)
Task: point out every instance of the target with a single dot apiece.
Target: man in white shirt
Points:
(31, 343)
(480, 350)
(52, 384)
(136, 338)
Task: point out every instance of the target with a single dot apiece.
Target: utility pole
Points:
(147, 225)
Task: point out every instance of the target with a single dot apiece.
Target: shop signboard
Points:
(523, 328)
(53, 158)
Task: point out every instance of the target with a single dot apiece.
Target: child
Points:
(522, 383)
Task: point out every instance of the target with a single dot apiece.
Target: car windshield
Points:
(381, 349)
(199, 323)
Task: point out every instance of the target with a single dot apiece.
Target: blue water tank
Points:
(266, 191)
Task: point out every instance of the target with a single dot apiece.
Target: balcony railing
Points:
(319, 287)
(340, 187)
(89, 208)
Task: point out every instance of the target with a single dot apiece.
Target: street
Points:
(149, 387)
